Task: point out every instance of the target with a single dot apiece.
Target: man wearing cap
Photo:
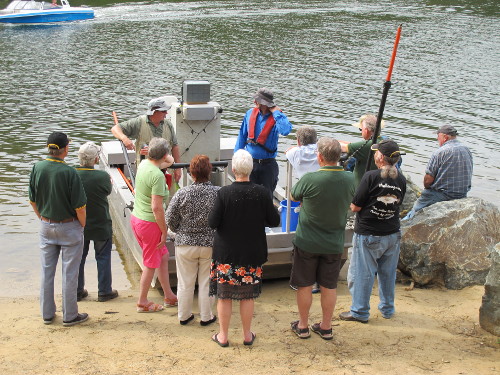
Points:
(145, 127)
(376, 234)
(57, 196)
(259, 134)
(449, 171)
(97, 185)
(361, 150)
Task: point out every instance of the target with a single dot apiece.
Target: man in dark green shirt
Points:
(58, 199)
(97, 185)
(361, 150)
(325, 196)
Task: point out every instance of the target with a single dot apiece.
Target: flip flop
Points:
(149, 307)
(216, 339)
(248, 343)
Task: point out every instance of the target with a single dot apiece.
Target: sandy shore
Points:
(434, 331)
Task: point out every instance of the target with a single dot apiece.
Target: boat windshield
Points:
(29, 5)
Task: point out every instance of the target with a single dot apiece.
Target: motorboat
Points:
(197, 127)
(30, 11)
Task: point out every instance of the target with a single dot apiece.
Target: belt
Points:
(263, 161)
(56, 221)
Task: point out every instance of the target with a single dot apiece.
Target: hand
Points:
(163, 241)
(144, 151)
(128, 143)
(275, 108)
(177, 175)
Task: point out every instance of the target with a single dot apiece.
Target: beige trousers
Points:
(193, 262)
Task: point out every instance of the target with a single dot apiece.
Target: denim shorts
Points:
(308, 268)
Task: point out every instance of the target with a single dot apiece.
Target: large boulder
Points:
(489, 312)
(448, 243)
(412, 193)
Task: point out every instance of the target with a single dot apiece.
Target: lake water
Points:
(326, 62)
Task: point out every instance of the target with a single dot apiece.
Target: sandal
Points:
(302, 333)
(215, 338)
(325, 334)
(248, 343)
(149, 307)
(170, 302)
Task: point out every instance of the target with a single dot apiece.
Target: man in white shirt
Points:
(303, 156)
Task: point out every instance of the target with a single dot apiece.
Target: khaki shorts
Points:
(309, 268)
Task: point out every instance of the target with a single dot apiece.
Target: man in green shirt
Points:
(145, 127)
(361, 150)
(97, 185)
(325, 196)
(57, 196)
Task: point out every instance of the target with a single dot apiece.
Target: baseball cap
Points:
(57, 141)
(447, 129)
(89, 150)
(388, 148)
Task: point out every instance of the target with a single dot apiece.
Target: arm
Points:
(428, 180)
(118, 133)
(242, 135)
(172, 216)
(33, 205)
(282, 123)
(176, 155)
(355, 208)
(215, 216)
(157, 208)
(344, 146)
(81, 214)
(272, 215)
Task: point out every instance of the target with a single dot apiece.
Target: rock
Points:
(489, 312)
(412, 194)
(448, 243)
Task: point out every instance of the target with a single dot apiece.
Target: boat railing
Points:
(219, 167)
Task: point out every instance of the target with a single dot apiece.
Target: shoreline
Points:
(434, 330)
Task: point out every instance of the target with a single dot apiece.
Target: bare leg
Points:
(224, 309)
(144, 285)
(304, 302)
(246, 313)
(164, 279)
(328, 301)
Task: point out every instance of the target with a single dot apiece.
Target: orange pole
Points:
(394, 50)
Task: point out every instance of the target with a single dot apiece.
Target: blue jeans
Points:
(427, 198)
(103, 259)
(65, 239)
(373, 255)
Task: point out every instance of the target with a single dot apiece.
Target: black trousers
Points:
(265, 173)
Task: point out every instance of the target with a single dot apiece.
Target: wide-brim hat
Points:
(265, 97)
(158, 104)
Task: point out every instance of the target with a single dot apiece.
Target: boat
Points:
(30, 11)
(197, 127)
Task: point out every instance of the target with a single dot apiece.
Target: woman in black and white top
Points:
(187, 216)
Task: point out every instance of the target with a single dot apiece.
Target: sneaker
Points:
(80, 318)
(49, 321)
(107, 297)
(316, 288)
(81, 295)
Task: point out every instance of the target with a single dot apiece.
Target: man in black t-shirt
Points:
(376, 234)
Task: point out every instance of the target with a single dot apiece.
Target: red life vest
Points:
(261, 139)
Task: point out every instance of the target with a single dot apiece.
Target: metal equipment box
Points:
(195, 92)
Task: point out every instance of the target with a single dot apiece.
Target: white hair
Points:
(242, 163)
(87, 154)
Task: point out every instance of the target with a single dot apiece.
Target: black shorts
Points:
(308, 268)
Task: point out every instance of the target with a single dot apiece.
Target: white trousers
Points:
(193, 262)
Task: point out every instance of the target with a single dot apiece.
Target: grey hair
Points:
(306, 135)
(389, 170)
(370, 122)
(87, 154)
(329, 148)
(242, 163)
(158, 148)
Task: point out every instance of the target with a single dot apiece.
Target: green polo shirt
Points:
(149, 181)
(325, 196)
(132, 128)
(56, 189)
(97, 185)
(361, 158)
